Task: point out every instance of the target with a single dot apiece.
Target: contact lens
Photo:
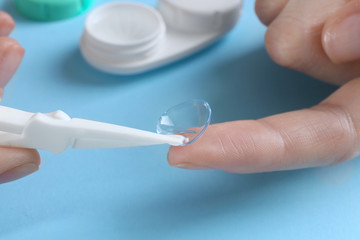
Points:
(189, 119)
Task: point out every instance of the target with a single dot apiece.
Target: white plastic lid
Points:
(124, 28)
(200, 15)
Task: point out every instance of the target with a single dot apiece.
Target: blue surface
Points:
(133, 193)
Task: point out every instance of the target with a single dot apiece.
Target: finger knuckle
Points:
(284, 45)
(344, 138)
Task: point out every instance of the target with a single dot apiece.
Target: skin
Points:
(318, 37)
(322, 39)
(14, 163)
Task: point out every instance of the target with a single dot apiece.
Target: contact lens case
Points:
(131, 38)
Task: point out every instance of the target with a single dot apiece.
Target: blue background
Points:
(133, 193)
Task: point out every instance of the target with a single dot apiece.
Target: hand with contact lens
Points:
(14, 163)
(320, 38)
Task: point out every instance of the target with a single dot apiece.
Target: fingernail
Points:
(1, 93)
(18, 172)
(190, 166)
(342, 42)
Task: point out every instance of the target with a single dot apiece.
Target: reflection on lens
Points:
(189, 119)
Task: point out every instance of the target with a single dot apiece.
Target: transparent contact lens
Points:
(189, 119)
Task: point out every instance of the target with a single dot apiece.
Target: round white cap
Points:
(200, 15)
(123, 31)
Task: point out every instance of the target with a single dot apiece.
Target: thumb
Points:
(341, 34)
(16, 163)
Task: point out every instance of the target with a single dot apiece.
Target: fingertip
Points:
(12, 45)
(267, 10)
(32, 156)
(177, 156)
(341, 34)
(16, 163)
(211, 150)
(18, 172)
(11, 54)
(170, 156)
(187, 157)
(7, 24)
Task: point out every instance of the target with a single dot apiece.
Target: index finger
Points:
(323, 135)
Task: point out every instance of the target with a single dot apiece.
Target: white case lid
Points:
(200, 15)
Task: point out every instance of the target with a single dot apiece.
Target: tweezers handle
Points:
(13, 120)
(34, 130)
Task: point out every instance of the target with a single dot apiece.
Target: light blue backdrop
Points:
(133, 193)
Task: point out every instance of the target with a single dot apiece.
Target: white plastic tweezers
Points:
(56, 131)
